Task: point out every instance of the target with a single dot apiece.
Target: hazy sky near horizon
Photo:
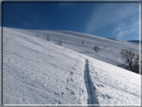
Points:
(109, 20)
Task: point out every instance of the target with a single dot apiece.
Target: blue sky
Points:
(109, 20)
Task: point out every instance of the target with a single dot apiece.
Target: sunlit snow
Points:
(37, 71)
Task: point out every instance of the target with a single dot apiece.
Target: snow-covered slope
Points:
(36, 71)
(109, 49)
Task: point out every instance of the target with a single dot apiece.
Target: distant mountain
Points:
(134, 41)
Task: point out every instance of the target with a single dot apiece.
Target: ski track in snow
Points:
(51, 74)
(92, 99)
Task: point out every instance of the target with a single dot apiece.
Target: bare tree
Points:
(60, 43)
(136, 64)
(131, 60)
(82, 42)
(96, 48)
(47, 37)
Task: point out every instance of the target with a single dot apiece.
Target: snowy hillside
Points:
(36, 71)
(109, 49)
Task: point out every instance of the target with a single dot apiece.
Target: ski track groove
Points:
(92, 98)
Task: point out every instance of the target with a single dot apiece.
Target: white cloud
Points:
(127, 31)
(110, 13)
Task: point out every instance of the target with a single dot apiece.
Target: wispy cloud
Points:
(111, 13)
(127, 31)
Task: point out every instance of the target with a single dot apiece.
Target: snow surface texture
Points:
(109, 49)
(36, 71)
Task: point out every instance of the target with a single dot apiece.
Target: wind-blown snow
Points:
(36, 71)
